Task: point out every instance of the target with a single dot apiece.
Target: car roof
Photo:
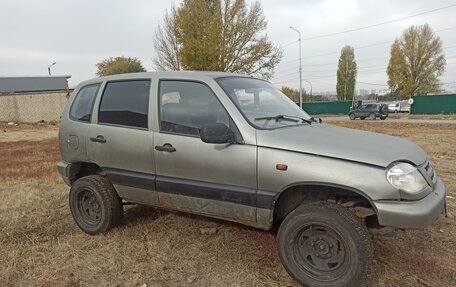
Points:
(196, 75)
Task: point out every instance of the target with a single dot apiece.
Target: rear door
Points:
(368, 110)
(212, 179)
(120, 141)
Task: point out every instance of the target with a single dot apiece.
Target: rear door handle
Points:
(166, 147)
(98, 139)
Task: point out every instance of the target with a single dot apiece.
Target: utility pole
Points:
(300, 68)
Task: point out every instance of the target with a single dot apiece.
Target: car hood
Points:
(343, 143)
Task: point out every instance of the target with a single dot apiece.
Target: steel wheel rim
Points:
(89, 207)
(321, 252)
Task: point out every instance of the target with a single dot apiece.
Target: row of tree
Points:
(228, 36)
(416, 62)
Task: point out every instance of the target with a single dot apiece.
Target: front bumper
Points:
(63, 167)
(412, 214)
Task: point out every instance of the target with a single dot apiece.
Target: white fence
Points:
(32, 107)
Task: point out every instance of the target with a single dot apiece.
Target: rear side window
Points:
(125, 103)
(81, 109)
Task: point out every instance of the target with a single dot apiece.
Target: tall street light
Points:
(49, 68)
(300, 67)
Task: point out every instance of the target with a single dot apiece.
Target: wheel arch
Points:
(305, 192)
(81, 169)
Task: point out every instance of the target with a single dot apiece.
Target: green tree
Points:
(216, 35)
(346, 74)
(119, 65)
(416, 62)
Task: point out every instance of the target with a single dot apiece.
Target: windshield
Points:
(262, 104)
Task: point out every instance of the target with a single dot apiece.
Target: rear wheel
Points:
(372, 116)
(94, 204)
(324, 244)
(352, 116)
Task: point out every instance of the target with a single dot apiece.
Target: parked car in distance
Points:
(371, 111)
(398, 107)
(405, 108)
(234, 147)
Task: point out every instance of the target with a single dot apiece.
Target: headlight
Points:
(406, 177)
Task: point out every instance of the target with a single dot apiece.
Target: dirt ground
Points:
(42, 246)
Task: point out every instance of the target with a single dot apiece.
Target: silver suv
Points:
(234, 147)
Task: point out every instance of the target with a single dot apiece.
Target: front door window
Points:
(187, 106)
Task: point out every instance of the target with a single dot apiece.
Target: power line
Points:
(328, 64)
(378, 24)
(355, 48)
(291, 43)
(361, 47)
(285, 75)
(447, 83)
(280, 74)
(373, 84)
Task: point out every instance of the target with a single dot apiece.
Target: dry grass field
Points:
(42, 246)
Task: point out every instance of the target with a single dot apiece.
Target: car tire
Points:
(362, 118)
(325, 244)
(383, 118)
(94, 204)
(352, 116)
(372, 116)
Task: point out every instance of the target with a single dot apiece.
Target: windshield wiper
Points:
(285, 117)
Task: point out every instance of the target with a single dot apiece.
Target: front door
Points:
(211, 179)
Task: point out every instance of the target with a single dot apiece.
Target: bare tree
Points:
(217, 35)
(166, 44)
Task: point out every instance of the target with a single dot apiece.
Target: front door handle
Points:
(166, 147)
(98, 139)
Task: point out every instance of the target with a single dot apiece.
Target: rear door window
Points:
(81, 109)
(125, 103)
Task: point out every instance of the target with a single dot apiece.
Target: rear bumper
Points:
(412, 214)
(64, 167)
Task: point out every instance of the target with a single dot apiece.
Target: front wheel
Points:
(372, 116)
(325, 244)
(383, 118)
(352, 116)
(94, 204)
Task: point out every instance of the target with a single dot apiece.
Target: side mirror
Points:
(216, 133)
